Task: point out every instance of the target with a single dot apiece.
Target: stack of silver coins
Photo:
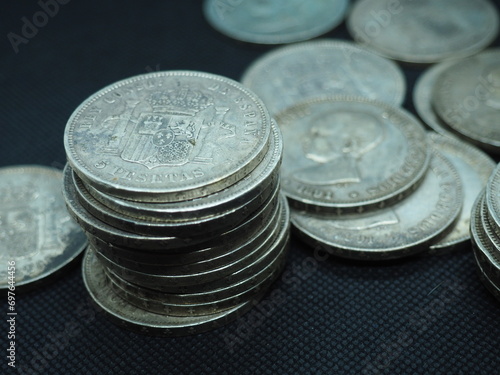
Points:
(485, 232)
(174, 176)
(363, 177)
(462, 98)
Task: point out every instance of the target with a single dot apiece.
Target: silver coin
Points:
(274, 22)
(423, 31)
(489, 253)
(485, 248)
(203, 297)
(291, 74)
(167, 136)
(493, 198)
(37, 236)
(244, 240)
(212, 279)
(467, 98)
(339, 153)
(216, 303)
(211, 258)
(474, 168)
(121, 238)
(124, 314)
(251, 188)
(400, 230)
(207, 226)
(423, 96)
(98, 228)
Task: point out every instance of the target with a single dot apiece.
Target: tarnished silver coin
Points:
(248, 191)
(339, 154)
(131, 240)
(244, 238)
(210, 225)
(274, 21)
(216, 301)
(291, 74)
(423, 96)
(493, 199)
(250, 263)
(424, 31)
(204, 260)
(203, 297)
(467, 98)
(167, 136)
(402, 229)
(489, 254)
(37, 236)
(485, 246)
(124, 314)
(474, 168)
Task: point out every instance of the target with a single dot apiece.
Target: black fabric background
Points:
(425, 315)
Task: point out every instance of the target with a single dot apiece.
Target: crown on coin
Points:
(182, 101)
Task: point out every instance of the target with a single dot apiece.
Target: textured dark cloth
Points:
(425, 315)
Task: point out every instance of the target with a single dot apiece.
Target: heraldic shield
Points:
(162, 140)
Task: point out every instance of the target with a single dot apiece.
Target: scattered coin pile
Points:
(423, 31)
(485, 231)
(174, 176)
(462, 98)
(363, 182)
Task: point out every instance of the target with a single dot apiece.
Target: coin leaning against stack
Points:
(363, 180)
(485, 233)
(174, 176)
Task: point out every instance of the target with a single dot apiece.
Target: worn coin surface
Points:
(291, 74)
(124, 314)
(251, 188)
(474, 168)
(493, 199)
(339, 154)
(400, 230)
(37, 236)
(424, 31)
(167, 136)
(274, 21)
(467, 98)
